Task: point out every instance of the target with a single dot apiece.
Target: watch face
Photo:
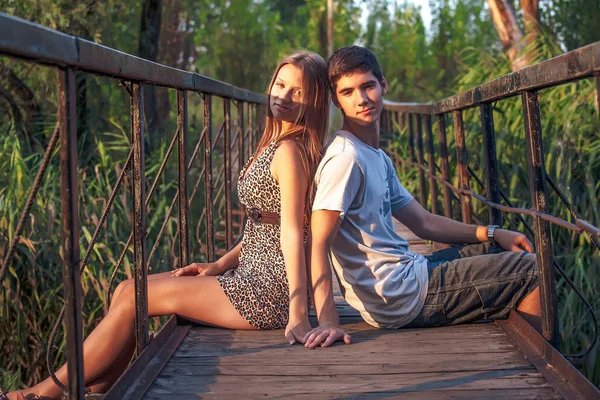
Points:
(490, 232)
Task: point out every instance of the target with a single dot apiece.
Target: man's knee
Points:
(529, 260)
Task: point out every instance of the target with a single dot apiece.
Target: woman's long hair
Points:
(311, 124)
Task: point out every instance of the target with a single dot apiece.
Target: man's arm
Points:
(325, 225)
(440, 229)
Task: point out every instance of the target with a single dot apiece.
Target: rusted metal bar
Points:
(250, 129)
(431, 164)
(139, 219)
(387, 120)
(241, 129)
(410, 108)
(401, 118)
(587, 227)
(560, 373)
(261, 112)
(175, 200)
(442, 139)
(543, 241)
(420, 159)
(102, 221)
(227, 181)
(574, 65)
(411, 134)
(19, 38)
(491, 161)
(208, 186)
(142, 372)
(182, 129)
(70, 230)
(463, 175)
(579, 227)
(37, 182)
(592, 231)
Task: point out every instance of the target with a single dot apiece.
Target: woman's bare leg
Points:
(198, 298)
(122, 285)
(105, 382)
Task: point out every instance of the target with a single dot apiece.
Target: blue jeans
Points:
(475, 282)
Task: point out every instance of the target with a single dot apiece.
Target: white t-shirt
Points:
(379, 275)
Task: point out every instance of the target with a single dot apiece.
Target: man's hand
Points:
(206, 269)
(513, 241)
(296, 331)
(325, 336)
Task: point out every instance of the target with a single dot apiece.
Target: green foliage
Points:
(574, 22)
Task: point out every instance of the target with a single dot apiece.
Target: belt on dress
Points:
(262, 217)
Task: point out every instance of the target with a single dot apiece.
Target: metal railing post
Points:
(139, 218)
(208, 186)
(182, 129)
(463, 173)
(433, 192)
(442, 139)
(241, 159)
(492, 182)
(420, 160)
(70, 230)
(543, 240)
(411, 134)
(227, 179)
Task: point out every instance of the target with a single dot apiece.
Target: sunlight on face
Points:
(286, 94)
(360, 96)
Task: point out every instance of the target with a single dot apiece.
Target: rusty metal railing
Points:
(72, 56)
(573, 66)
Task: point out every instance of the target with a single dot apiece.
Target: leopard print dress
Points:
(258, 287)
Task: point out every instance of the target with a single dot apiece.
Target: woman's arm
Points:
(229, 261)
(324, 226)
(287, 169)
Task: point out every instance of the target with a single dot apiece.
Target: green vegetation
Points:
(240, 42)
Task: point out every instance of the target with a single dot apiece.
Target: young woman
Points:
(259, 284)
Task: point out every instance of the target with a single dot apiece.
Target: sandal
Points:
(87, 396)
(26, 397)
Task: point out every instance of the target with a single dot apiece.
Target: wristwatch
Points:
(490, 234)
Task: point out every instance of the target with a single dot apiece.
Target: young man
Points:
(358, 192)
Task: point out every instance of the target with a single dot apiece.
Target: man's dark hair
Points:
(349, 60)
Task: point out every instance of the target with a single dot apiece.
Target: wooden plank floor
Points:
(467, 361)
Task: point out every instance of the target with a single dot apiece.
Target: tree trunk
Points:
(510, 32)
(27, 116)
(531, 14)
(323, 34)
(148, 49)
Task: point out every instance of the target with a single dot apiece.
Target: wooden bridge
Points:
(485, 360)
(503, 359)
